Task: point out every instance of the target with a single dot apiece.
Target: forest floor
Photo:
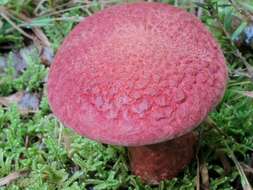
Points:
(38, 153)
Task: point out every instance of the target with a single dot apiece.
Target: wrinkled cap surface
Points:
(136, 74)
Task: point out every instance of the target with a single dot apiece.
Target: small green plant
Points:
(30, 78)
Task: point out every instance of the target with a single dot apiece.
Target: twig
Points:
(244, 180)
(12, 177)
(37, 31)
(26, 141)
(204, 175)
(39, 4)
(247, 168)
(197, 158)
(198, 172)
(4, 14)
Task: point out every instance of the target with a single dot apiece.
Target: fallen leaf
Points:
(204, 176)
(14, 98)
(19, 63)
(46, 55)
(12, 177)
(44, 92)
(27, 102)
(18, 59)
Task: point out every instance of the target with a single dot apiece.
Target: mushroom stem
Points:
(153, 163)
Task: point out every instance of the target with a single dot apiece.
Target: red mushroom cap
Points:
(136, 74)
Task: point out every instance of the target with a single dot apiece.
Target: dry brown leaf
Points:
(14, 98)
(12, 177)
(204, 176)
(27, 102)
(41, 42)
(18, 59)
(46, 55)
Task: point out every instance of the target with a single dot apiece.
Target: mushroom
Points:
(140, 75)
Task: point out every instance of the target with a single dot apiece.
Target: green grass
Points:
(54, 157)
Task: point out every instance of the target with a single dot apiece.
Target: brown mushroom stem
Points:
(153, 163)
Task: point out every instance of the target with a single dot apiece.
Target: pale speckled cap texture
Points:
(136, 74)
